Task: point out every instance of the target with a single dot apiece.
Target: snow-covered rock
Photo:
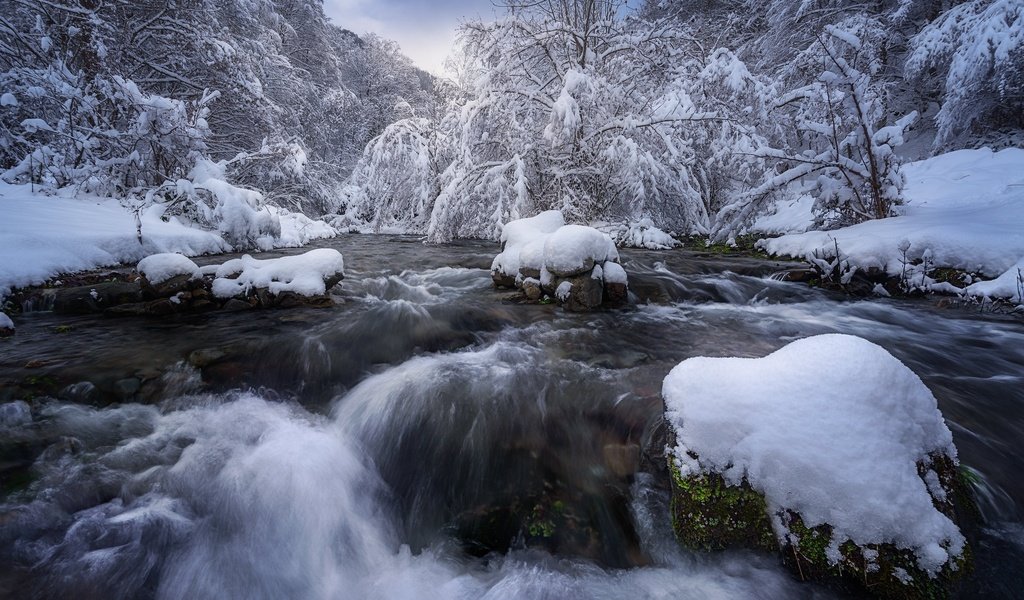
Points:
(541, 255)
(575, 249)
(158, 268)
(6, 325)
(309, 274)
(516, 235)
(841, 439)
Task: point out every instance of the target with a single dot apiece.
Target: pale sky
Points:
(424, 29)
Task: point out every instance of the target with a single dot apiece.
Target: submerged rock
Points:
(850, 475)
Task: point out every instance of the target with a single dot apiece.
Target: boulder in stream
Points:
(829, 451)
(544, 257)
(6, 325)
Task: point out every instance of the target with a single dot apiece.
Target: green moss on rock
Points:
(709, 514)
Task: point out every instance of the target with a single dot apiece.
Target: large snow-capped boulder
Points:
(830, 450)
(544, 257)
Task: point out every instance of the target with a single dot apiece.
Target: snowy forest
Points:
(697, 115)
(633, 299)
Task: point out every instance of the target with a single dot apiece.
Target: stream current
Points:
(427, 438)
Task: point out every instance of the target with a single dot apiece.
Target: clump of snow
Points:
(1009, 285)
(5, 321)
(638, 234)
(298, 230)
(831, 427)
(563, 291)
(614, 273)
(303, 274)
(963, 210)
(515, 235)
(158, 268)
(574, 249)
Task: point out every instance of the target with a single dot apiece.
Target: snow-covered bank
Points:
(43, 236)
(964, 210)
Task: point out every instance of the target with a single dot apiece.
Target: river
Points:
(426, 437)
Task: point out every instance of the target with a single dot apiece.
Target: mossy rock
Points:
(710, 514)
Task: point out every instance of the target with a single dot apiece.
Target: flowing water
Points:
(427, 438)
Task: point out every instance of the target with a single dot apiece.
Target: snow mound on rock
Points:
(6, 322)
(517, 235)
(831, 427)
(158, 268)
(575, 249)
(304, 274)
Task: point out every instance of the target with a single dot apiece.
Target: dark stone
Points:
(585, 269)
(531, 287)
(622, 460)
(83, 392)
(503, 281)
(615, 293)
(586, 293)
(799, 275)
(95, 298)
(530, 273)
(125, 389)
(235, 305)
(332, 281)
(6, 332)
(205, 357)
(164, 289)
(202, 305)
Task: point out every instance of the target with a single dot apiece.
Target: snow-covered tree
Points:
(844, 143)
(977, 51)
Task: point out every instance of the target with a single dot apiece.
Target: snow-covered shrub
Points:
(637, 234)
(845, 147)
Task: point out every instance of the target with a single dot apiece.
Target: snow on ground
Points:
(964, 209)
(831, 427)
(303, 274)
(43, 236)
